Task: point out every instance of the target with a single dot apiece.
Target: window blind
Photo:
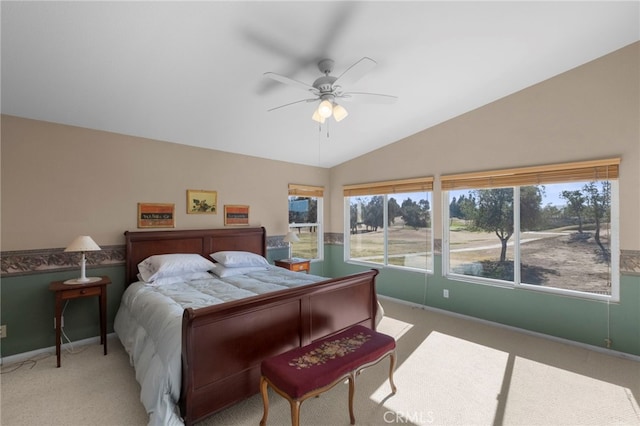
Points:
(306, 190)
(389, 187)
(536, 175)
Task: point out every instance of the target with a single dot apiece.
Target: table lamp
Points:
(82, 243)
(291, 237)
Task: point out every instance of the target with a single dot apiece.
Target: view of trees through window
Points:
(563, 238)
(391, 229)
(303, 220)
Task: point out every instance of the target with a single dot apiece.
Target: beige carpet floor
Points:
(450, 371)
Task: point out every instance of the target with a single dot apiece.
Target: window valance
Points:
(389, 187)
(536, 175)
(306, 190)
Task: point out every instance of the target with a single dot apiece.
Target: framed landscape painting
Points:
(202, 202)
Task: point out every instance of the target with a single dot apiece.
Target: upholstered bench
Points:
(308, 371)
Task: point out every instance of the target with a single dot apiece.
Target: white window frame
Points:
(318, 194)
(387, 189)
(516, 284)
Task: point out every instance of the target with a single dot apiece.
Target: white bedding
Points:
(149, 323)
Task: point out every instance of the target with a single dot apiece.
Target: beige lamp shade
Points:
(82, 243)
(291, 237)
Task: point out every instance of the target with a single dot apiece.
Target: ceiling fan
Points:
(328, 89)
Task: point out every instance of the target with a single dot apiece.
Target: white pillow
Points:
(224, 272)
(171, 265)
(239, 258)
(177, 279)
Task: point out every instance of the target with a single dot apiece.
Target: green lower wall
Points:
(571, 318)
(28, 309)
(27, 305)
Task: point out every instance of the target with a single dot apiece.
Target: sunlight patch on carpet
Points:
(393, 327)
(540, 393)
(473, 375)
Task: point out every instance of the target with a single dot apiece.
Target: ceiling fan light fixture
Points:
(317, 117)
(339, 112)
(325, 109)
(328, 88)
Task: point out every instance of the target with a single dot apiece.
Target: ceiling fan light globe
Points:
(339, 112)
(325, 109)
(317, 117)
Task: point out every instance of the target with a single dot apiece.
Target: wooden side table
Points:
(75, 291)
(295, 264)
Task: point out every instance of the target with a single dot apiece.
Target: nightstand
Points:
(295, 264)
(76, 291)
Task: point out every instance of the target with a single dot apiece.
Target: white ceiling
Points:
(192, 72)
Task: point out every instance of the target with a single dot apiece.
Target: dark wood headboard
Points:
(142, 244)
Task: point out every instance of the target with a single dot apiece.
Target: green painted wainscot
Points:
(574, 319)
(27, 305)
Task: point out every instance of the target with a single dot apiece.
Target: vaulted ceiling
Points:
(193, 72)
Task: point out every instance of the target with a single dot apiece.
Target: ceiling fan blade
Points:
(292, 103)
(355, 72)
(371, 98)
(338, 23)
(290, 81)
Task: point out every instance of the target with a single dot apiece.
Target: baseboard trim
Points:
(594, 348)
(25, 356)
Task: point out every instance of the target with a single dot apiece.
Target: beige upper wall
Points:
(61, 181)
(590, 112)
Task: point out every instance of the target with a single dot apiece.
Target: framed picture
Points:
(202, 202)
(236, 215)
(156, 215)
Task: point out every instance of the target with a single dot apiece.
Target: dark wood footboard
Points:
(223, 345)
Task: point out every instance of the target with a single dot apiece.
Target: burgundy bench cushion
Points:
(302, 370)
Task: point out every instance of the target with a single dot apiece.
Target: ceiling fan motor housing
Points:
(324, 84)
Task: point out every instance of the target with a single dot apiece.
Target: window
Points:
(548, 228)
(389, 223)
(305, 218)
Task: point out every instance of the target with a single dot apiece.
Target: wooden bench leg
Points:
(352, 381)
(295, 412)
(295, 404)
(392, 365)
(352, 391)
(265, 400)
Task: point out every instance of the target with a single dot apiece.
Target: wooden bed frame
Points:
(223, 345)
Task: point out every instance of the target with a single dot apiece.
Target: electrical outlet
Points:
(61, 322)
(445, 293)
(3, 331)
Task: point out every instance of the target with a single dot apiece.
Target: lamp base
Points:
(83, 281)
